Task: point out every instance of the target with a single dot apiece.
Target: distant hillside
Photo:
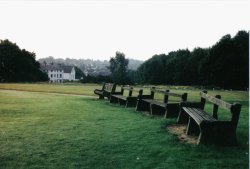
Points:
(89, 66)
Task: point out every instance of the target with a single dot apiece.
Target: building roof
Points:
(66, 69)
(50, 67)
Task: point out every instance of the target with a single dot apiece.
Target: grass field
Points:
(44, 130)
(52, 88)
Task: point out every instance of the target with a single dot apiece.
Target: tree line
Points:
(224, 65)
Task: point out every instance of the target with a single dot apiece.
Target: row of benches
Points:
(199, 122)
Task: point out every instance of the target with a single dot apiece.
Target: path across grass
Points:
(40, 130)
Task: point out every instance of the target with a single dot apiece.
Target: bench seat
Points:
(199, 115)
(120, 97)
(155, 102)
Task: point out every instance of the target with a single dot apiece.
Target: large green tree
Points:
(223, 65)
(79, 73)
(118, 68)
(18, 65)
(227, 65)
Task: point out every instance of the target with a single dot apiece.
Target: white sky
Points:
(140, 29)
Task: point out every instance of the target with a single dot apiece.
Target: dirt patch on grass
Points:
(145, 113)
(179, 130)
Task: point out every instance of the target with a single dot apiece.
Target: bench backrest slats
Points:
(203, 100)
(113, 88)
(153, 89)
(140, 92)
(152, 93)
(103, 86)
(174, 94)
(166, 97)
(110, 87)
(137, 90)
(127, 88)
(216, 101)
(131, 90)
(184, 97)
(215, 108)
(122, 89)
(167, 93)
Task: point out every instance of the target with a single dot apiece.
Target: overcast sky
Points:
(140, 29)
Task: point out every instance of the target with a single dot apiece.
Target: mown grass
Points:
(81, 89)
(40, 130)
(87, 89)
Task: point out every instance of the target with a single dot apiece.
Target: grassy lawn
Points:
(42, 130)
(80, 89)
(87, 89)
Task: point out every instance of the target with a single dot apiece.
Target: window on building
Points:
(60, 75)
(51, 75)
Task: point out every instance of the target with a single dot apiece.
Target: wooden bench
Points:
(206, 126)
(127, 101)
(107, 90)
(155, 107)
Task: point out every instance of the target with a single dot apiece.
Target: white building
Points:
(58, 73)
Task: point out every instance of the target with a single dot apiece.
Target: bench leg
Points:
(131, 102)
(217, 133)
(209, 133)
(114, 100)
(122, 102)
(108, 96)
(157, 110)
(101, 97)
(204, 136)
(172, 110)
(226, 134)
(139, 105)
(183, 117)
(99, 93)
(192, 127)
(142, 106)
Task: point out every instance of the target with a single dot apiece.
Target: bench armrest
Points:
(97, 90)
(190, 104)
